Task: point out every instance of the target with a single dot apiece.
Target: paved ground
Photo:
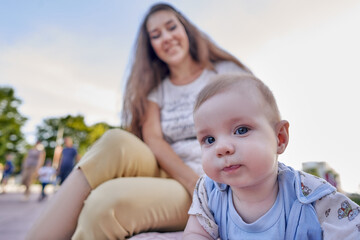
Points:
(17, 214)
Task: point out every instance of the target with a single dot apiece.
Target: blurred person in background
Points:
(34, 159)
(46, 176)
(69, 157)
(8, 170)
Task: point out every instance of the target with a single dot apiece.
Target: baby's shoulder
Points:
(309, 183)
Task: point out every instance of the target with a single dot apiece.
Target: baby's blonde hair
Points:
(225, 82)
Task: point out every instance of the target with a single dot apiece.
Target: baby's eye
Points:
(209, 140)
(241, 130)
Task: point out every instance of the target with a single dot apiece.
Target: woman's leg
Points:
(117, 153)
(3, 182)
(122, 207)
(27, 178)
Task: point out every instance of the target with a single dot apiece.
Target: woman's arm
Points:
(165, 155)
(59, 219)
(194, 230)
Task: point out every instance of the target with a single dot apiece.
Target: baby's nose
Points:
(224, 148)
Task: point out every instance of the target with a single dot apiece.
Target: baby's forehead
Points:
(259, 93)
(245, 84)
(245, 87)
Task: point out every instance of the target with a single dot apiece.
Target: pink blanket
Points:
(158, 236)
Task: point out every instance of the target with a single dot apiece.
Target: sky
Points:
(73, 57)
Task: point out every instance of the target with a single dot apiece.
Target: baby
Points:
(247, 193)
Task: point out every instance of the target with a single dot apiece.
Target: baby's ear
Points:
(282, 135)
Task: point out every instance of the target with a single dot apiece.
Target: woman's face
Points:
(168, 38)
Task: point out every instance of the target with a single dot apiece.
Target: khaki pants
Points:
(131, 194)
(28, 175)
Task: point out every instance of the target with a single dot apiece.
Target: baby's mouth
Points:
(231, 168)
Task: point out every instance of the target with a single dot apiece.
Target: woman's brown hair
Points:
(148, 70)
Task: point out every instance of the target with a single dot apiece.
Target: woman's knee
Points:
(113, 134)
(117, 135)
(118, 139)
(131, 149)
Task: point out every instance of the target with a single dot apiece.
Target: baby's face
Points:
(238, 142)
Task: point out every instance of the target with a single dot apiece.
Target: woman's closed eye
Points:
(155, 36)
(241, 130)
(172, 27)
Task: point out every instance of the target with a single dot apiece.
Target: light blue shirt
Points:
(291, 217)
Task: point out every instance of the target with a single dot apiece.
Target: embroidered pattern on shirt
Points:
(358, 226)
(346, 211)
(306, 191)
(327, 212)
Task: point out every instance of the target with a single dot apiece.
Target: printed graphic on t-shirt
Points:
(177, 117)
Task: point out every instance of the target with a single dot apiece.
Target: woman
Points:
(143, 179)
(33, 161)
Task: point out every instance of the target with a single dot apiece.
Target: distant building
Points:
(323, 170)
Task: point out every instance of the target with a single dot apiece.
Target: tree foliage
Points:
(52, 131)
(11, 121)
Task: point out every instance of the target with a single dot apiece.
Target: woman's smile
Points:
(171, 49)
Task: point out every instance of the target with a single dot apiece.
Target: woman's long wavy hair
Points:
(148, 70)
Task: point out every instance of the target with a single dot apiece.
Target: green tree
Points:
(95, 132)
(313, 171)
(11, 121)
(83, 136)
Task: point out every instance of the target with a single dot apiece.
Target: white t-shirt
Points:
(46, 174)
(176, 105)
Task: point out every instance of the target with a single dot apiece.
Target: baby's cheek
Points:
(210, 167)
(205, 162)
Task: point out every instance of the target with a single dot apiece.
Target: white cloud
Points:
(57, 73)
(243, 26)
